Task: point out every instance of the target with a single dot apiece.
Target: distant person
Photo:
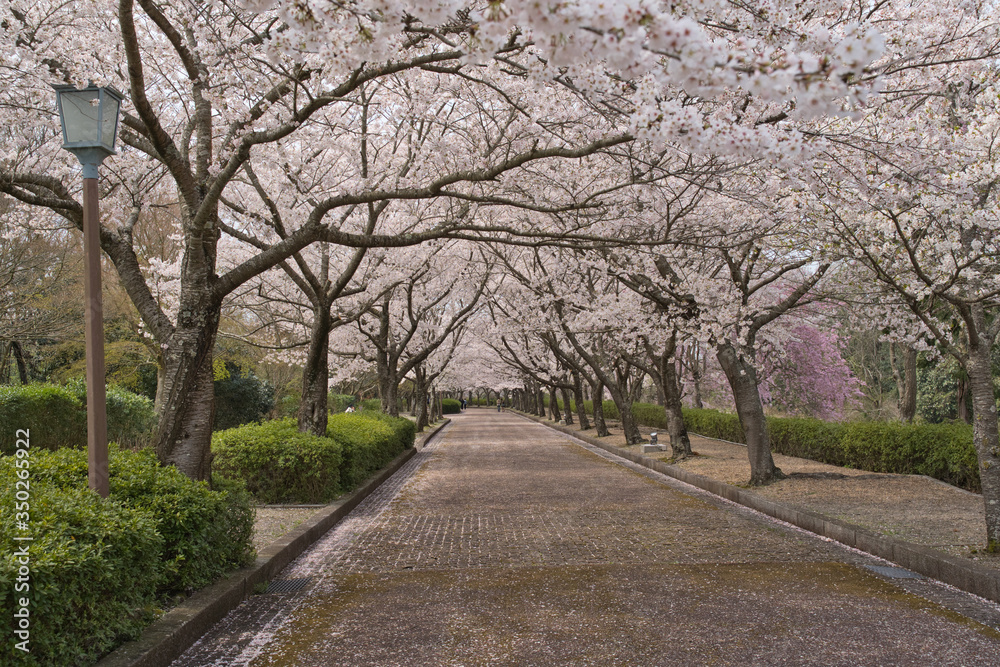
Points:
(350, 408)
(499, 405)
(464, 403)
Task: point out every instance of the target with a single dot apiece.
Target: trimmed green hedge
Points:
(942, 451)
(57, 416)
(53, 415)
(279, 464)
(714, 424)
(451, 406)
(405, 429)
(369, 443)
(100, 569)
(131, 417)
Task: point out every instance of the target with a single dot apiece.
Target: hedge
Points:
(53, 415)
(100, 569)
(369, 443)
(942, 451)
(131, 417)
(279, 464)
(451, 406)
(57, 416)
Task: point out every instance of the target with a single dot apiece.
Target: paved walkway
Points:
(506, 543)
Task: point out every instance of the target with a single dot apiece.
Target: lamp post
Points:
(89, 119)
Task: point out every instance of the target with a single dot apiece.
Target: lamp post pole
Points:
(97, 416)
(89, 119)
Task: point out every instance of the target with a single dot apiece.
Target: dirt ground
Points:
(913, 508)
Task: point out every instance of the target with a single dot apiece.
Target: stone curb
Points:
(958, 572)
(166, 639)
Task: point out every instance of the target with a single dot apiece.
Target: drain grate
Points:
(287, 585)
(893, 572)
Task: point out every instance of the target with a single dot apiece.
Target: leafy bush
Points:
(450, 406)
(54, 416)
(368, 442)
(808, 438)
(405, 430)
(942, 451)
(100, 568)
(279, 464)
(340, 402)
(287, 400)
(650, 415)
(57, 416)
(131, 417)
(92, 574)
(610, 409)
(240, 397)
(714, 424)
(371, 405)
(206, 533)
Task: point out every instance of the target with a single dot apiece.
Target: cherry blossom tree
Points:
(923, 221)
(206, 94)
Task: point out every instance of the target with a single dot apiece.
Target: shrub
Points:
(279, 464)
(610, 409)
(93, 577)
(53, 415)
(99, 568)
(287, 400)
(368, 445)
(405, 430)
(714, 424)
(206, 533)
(808, 438)
(240, 398)
(340, 402)
(371, 405)
(450, 406)
(942, 451)
(131, 417)
(650, 415)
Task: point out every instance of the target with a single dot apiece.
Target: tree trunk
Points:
(680, 443)
(742, 378)
(906, 381)
(985, 435)
(388, 389)
(962, 400)
(554, 404)
(22, 369)
(908, 406)
(567, 410)
(316, 376)
(581, 409)
(597, 391)
(420, 399)
(184, 435)
(540, 398)
(696, 379)
(629, 425)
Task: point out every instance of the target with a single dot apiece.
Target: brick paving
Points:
(506, 543)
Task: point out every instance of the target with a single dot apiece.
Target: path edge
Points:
(167, 638)
(955, 571)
